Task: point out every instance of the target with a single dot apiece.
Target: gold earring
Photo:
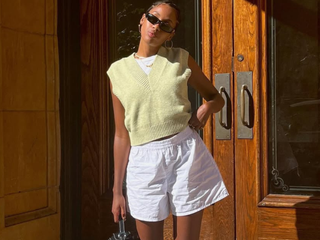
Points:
(139, 27)
(171, 44)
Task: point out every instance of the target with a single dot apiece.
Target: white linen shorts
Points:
(177, 174)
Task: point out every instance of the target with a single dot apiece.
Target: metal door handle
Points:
(221, 91)
(223, 117)
(244, 88)
(245, 114)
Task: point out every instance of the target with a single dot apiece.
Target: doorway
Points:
(263, 56)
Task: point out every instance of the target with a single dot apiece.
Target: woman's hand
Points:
(199, 117)
(118, 207)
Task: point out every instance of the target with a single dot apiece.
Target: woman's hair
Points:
(171, 4)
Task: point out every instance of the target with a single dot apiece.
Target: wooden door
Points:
(29, 121)
(273, 171)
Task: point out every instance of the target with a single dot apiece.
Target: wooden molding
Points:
(207, 63)
(25, 217)
(290, 201)
(264, 98)
(105, 115)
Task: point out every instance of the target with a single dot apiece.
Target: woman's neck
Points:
(145, 50)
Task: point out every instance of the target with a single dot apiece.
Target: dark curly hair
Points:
(171, 4)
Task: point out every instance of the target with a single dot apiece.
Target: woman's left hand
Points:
(199, 118)
(214, 101)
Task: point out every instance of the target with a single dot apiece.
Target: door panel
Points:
(217, 52)
(246, 43)
(29, 121)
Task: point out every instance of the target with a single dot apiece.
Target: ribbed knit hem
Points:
(152, 133)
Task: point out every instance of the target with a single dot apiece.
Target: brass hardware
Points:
(223, 117)
(240, 57)
(245, 113)
(244, 88)
(222, 90)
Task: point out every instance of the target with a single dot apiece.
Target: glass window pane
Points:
(294, 93)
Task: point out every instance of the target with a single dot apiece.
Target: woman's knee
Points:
(150, 230)
(188, 227)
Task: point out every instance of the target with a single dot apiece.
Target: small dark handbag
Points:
(123, 234)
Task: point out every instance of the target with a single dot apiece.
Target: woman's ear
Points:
(142, 18)
(171, 35)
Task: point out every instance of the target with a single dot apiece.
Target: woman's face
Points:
(152, 34)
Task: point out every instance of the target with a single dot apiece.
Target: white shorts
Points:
(177, 174)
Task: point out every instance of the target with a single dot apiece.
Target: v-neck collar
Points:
(149, 80)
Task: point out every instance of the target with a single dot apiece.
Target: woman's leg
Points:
(187, 227)
(150, 230)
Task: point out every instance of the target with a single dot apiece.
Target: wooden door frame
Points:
(70, 118)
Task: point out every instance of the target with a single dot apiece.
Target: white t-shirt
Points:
(145, 62)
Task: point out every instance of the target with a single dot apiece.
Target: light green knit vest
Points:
(156, 105)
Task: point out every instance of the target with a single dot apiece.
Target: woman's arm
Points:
(214, 101)
(121, 149)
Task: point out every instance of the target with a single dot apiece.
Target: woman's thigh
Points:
(187, 227)
(150, 230)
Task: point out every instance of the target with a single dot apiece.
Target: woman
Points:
(156, 144)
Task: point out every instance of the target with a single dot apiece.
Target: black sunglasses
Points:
(164, 26)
